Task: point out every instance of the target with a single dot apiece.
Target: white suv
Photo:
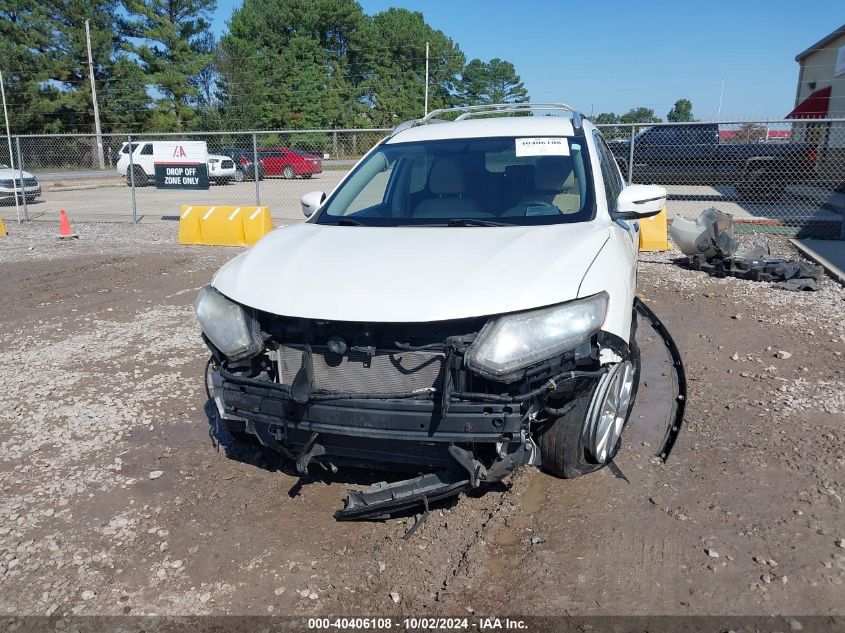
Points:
(221, 169)
(472, 310)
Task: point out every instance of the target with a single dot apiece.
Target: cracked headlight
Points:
(227, 325)
(509, 343)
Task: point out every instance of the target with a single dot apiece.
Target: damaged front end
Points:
(427, 399)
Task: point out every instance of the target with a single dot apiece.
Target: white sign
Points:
(840, 62)
(542, 146)
(180, 152)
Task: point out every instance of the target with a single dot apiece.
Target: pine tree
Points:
(171, 37)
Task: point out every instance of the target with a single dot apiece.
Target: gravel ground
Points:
(115, 499)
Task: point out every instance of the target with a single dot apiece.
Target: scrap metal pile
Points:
(709, 244)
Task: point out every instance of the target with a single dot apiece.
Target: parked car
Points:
(221, 169)
(692, 154)
(10, 186)
(290, 163)
(244, 162)
(472, 310)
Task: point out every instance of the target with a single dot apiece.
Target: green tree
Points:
(606, 118)
(168, 38)
(681, 112)
(392, 68)
(292, 63)
(44, 53)
(640, 115)
(495, 81)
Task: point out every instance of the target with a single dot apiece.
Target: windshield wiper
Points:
(474, 222)
(348, 222)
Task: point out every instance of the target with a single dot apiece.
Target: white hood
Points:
(411, 274)
(7, 173)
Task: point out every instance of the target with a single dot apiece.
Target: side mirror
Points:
(311, 201)
(639, 201)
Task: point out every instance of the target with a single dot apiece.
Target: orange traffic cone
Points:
(65, 232)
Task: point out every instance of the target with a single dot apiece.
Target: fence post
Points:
(20, 177)
(131, 151)
(256, 169)
(631, 156)
(334, 145)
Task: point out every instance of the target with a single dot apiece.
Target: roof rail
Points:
(467, 112)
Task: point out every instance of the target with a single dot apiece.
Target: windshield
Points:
(511, 181)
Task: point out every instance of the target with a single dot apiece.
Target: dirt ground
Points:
(115, 499)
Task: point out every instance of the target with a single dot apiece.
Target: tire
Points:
(237, 430)
(307, 176)
(288, 173)
(562, 445)
(239, 176)
(759, 186)
(141, 178)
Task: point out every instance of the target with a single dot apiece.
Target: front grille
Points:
(30, 182)
(359, 373)
(227, 164)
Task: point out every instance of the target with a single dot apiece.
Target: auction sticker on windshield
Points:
(542, 146)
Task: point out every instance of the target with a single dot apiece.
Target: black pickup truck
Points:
(692, 154)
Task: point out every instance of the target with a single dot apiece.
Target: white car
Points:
(472, 310)
(10, 185)
(221, 169)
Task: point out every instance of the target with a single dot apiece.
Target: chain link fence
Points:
(778, 177)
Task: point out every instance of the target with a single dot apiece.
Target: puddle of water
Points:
(653, 407)
(509, 538)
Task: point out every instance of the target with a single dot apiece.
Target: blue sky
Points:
(612, 55)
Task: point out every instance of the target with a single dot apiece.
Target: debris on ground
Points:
(709, 244)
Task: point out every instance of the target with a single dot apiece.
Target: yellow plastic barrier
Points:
(2, 228)
(257, 224)
(223, 225)
(189, 225)
(654, 234)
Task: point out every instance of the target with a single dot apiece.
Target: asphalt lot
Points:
(108, 199)
(116, 501)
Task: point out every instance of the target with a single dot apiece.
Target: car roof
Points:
(491, 127)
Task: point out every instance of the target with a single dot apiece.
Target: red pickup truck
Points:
(289, 163)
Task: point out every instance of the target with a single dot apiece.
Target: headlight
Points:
(227, 325)
(509, 343)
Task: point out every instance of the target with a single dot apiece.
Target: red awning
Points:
(813, 107)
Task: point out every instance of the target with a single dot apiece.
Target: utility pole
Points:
(97, 129)
(426, 79)
(9, 139)
(721, 94)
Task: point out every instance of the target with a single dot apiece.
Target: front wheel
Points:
(140, 176)
(288, 173)
(760, 186)
(588, 434)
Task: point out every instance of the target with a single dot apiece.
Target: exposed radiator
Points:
(400, 371)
